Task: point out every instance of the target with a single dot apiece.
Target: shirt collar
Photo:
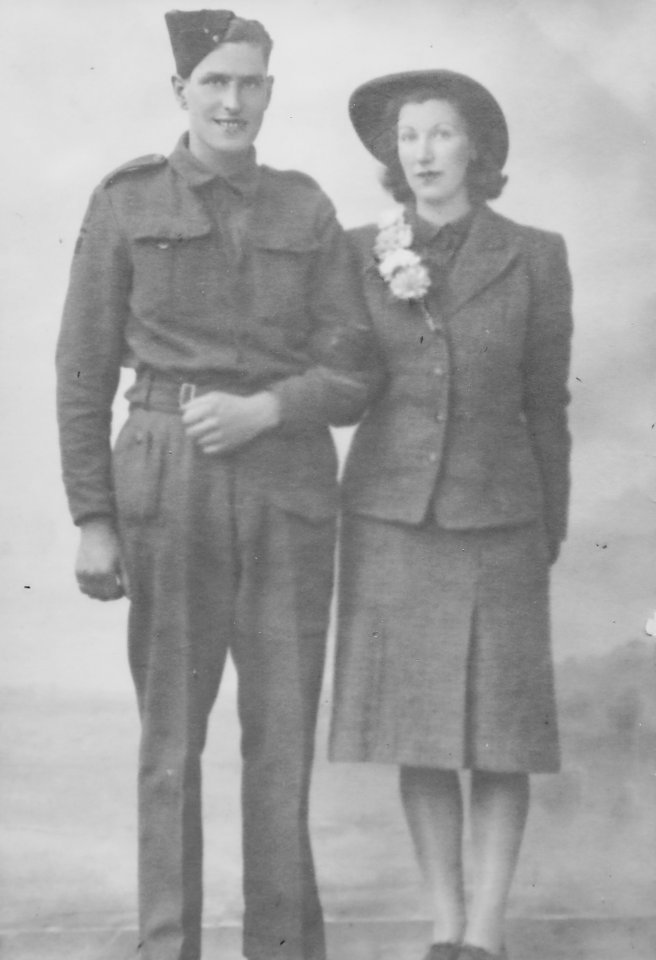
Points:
(425, 232)
(244, 181)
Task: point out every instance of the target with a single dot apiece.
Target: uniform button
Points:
(432, 457)
(438, 370)
(440, 417)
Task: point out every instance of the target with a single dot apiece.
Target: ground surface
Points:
(586, 886)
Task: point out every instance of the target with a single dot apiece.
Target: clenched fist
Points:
(98, 567)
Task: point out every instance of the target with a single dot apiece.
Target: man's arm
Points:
(88, 365)
(346, 372)
(88, 360)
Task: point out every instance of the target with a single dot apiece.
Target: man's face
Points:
(226, 95)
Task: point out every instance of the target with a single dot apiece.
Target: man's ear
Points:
(179, 86)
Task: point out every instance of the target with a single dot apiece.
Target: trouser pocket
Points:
(138, 460)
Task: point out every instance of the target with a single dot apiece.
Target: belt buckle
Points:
(187, 393)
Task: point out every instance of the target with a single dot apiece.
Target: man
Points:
(228, 287)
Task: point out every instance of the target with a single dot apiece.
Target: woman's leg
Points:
(433, 807)
(499, 806)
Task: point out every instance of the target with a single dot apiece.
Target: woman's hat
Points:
(368, 108)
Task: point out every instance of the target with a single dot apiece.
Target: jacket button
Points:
(438, 370)
(432, 457)
(440, 417)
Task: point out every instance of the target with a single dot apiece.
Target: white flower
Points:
(393, 233)
(650, 626)
(398, 265)
(394, 260)
(398, 236)
(411, 283)
(389, 217)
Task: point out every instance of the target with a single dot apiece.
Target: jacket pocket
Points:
(138, 468)
(283, 267)
(172, 266)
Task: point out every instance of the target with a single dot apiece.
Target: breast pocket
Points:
(172, 268)
(283, 269)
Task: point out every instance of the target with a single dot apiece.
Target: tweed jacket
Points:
(471, 423)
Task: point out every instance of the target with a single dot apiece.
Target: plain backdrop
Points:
(86, 88)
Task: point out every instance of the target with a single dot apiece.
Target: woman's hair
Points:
(485, 181)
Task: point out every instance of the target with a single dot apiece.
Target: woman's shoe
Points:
(443, 951)
(468, 952)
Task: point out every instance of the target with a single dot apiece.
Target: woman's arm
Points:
(546, 371)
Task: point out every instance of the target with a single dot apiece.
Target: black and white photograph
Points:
(328, 547)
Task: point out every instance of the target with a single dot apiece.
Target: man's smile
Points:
(231, 123)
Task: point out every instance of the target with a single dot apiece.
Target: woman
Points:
(455, 497)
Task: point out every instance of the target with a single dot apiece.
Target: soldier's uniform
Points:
(240, 285)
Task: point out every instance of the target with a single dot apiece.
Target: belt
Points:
(168, 392)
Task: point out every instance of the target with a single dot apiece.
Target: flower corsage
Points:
(401, 267)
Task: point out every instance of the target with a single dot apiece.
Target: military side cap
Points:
(368, 108)
(194, 34)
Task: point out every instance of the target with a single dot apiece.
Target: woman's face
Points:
(434, 150)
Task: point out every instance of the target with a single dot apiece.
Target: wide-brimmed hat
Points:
(368, 108)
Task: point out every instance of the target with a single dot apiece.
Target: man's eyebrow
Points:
(227, 77)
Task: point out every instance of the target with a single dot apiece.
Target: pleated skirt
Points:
(443, 652)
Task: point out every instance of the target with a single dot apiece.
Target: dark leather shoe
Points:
(467, 952)
(443, 951)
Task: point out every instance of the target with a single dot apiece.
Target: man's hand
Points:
(98, 567)
(220, 422)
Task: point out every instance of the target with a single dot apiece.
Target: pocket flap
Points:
(167, 230)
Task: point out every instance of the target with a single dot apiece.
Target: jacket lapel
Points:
(489, 249)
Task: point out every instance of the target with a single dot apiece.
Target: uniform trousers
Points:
(215, 566)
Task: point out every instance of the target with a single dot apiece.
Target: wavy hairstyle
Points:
(485, 181)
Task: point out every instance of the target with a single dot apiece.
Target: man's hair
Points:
(249, 31)
(485, 181)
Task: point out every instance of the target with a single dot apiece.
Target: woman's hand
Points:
(220, 422)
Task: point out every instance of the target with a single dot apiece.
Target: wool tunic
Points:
(234, 285)
(443, 653)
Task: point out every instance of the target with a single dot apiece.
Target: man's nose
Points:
(232, 96)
